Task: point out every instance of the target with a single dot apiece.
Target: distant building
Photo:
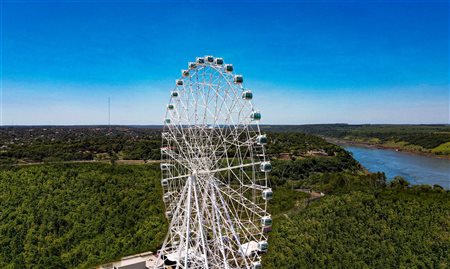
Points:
(144, 260)
(320, 152)
(285, 156)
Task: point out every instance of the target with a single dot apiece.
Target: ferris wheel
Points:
(214, 172)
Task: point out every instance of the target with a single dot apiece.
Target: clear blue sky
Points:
(306, 61)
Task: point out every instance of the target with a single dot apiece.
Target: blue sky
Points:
(306, 61)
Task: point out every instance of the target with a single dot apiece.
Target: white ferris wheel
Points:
(214, 172)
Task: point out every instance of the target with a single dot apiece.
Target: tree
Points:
(399, 182)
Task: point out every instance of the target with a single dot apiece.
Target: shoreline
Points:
(341, 142)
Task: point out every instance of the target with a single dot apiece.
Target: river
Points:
(417, 169)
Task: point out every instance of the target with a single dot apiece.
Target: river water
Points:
(417, 169)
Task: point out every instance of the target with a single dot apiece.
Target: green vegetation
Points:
(389, 228)
(82, 215)
(78, 215)
(415, 138)
(53, 144)
(302, 163)
(297, 144)
(443, 149)
(361, 222)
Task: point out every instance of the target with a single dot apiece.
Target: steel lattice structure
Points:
(214, 172)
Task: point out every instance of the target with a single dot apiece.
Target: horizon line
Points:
(161, 125)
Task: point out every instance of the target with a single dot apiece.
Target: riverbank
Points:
(417, 169)
(342, 142)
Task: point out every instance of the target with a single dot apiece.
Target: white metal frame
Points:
(211, 161)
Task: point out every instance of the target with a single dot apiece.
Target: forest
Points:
(433, 139)
(373, 227)
(79, 215)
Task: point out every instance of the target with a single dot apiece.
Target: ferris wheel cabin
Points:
(209, 59)
(164, 183)
(165, 166)
(263, 246)
(261, 139)
(266, 167)
(247, 95)
(266, 221)
(255, 116)
(267, 194)
(200, 60)
(169, 214)
(238, 79)
(192, 65)
(256, 265)
(166, 198)
(219, 61)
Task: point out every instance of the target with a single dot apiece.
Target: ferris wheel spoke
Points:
(230, 168)
(221, 190)
(178, 130)
(242, 200)
(219, 219)
(216, 221)
(181, 160)
(229, 221)
(201, 230)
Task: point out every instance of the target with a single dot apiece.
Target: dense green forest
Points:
(386, 228)
(83, 214)
(78, 215)
(433, 139)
